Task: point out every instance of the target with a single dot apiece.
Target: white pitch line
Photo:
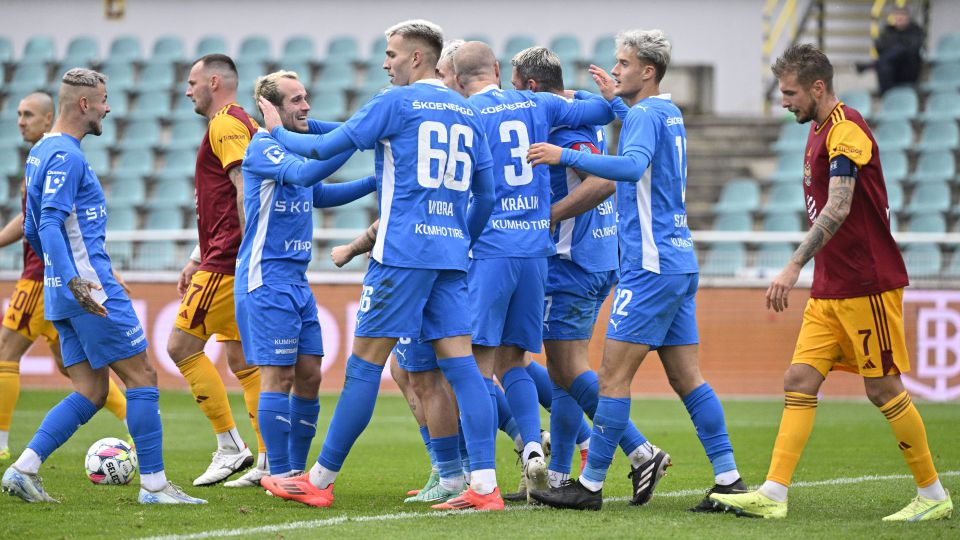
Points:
(327, 522)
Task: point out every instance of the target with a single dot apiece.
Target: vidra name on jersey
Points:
(520, 202)
(440, 208)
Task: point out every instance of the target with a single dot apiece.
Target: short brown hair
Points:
(807, 62)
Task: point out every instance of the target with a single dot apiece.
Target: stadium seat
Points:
(923, 260)
(893, 135)
(179, 164)
(156, 255)
(724, 259)
(948, 48)
(928, 198)
(927, 223)
(900, 103)
(337, 75)
(120, 77)
(121, 253)
(741, 221)
(944, 77)
(168, 48)
(326, 104)
(789, 168)
(39, 49)
(10, 165)
(935, 166)
(172, 192)
(343, 49)
(184, 109)
(793, 138)
(10, 132)
(894, 195)
(738, 195)
(28, 76)
(121, 218)
(783, 222)
(359, 165)
(302, 69)
(210, 45)
(604, 52)
(360, 99)
(69, 63)
(141, 133)
(859, 100)
(351, 218)
(940, 135)
(98, 159)
(567, 47)
(186, 133)
(83, 49)
(377, 53)
(107, 138)
(158, 75)
(297, 49)
(786, 197)
(248, 71)
(515, 44)
(571, 74)
(170, 218)
(254, 48)
(942, 106)
(375, 80)
(125, 48)
(154, 104)
(129, 190)
(133, 164)
(12, 258)
(895, 165)
(6, 50)
(774, 256)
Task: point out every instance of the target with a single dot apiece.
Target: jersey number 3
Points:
(449, 161)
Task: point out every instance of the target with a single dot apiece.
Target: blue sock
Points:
(425, 435)
(611, 419)
(273, 413)
(494, 392)
(476, 409)
(541, 378)
(565, 417)
(586, 390)
(143, 421)
(303, 428)
(447, 450)
(583, 433)
(464, 457)
(352, 413)
(60, 423)
(508, 424)
(707, 415)
(522, 394)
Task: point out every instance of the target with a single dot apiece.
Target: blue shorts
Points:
(573, 299)
(278, 323)
(506, 299)
(654, 309)
(100, 341)
(417, 303)
(415, 356)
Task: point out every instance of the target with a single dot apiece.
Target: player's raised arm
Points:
(328, 195)
(587, 109)
(317, 146)
(607, 86)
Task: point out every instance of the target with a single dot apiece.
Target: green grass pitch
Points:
(834, 498)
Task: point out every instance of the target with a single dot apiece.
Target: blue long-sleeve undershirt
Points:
(323, 146)
(54, 246)
(626, 168)
(596, 110)
(619, 107)
(327, 195)
(481, 206)
(311, 172)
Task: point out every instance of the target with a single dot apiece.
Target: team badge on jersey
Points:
(807, 174)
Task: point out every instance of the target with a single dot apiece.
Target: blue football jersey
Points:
(590, 239)
(652, 214)
(429, 142)
(58, 176)
(513, 120)
(278, 237)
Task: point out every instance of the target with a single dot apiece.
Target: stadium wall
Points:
(744, 348)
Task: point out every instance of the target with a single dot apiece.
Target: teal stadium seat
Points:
(69, 63)
(327, 104)
(786, 197)
(11, 258)
(351, 218)
(927, 223)
(360, 99)
(156, 255)
(10, 132)
(785, 222)
(133, 164)
(377, 54)
(942, 106)
(172, 192)
(120, 77)
(302, 69)
(724, 259)
(254, 48)
(567, 47)
(211, 45)
(28, 76)
(187, 133)
(126, 48)
(337, 75)
(793, 138)
(935, 166)
(774, 256)
(515, 44)
(249, 70)
(121, 218)
(141, 133)
(895, 165)
(940, 135)
(571, 74)
(39, 49)
(130, 190)
(893, 135)
(929, 198)
(107, 138)
(789, 168)
(343, 49)
(184, 109)
(738, 195)
(121, 253)
(900, 103)
(83, 48)
(894, 195)
(298, 49)
(604, 52)
(9, 165)
(944, 77)
(179, 164)
(948, 48)
(98, 159)
(169, 49)
(6, 50)
(859, 100)
(158, 75)
(360, 165)
(923, 260)
(737, 222)
(375, 80)
(152, 105)
(164, 219)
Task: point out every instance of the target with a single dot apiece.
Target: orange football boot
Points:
(471, 500)
(300, 489)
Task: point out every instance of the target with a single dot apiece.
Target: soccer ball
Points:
(111, 461)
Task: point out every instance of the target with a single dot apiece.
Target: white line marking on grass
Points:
(327, 522)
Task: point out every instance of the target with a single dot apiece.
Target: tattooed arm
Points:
(824, 227)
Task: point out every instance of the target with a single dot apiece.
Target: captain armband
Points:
(841, 165)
